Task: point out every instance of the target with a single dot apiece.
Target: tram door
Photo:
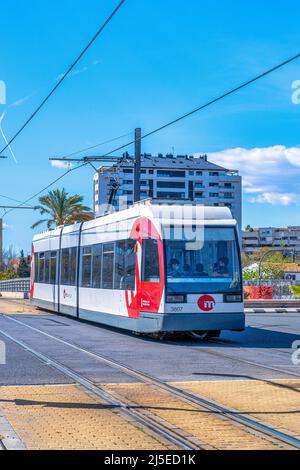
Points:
(149, 272)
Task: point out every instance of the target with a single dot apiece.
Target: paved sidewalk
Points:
(9, 440)
(66, 417)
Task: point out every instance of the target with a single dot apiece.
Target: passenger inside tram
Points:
(174, 268)
(221, 267)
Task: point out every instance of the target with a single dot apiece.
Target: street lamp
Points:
(263, 257)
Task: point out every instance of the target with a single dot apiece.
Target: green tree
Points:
(296, 290)
(246, 260)
(24, 266)
(248, 228)
(61, 209)
(8, 274)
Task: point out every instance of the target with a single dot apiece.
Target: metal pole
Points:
(137, 164)
(262, 258)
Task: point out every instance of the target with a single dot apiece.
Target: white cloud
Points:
(60, 164)
(271, 173)
(277, 199)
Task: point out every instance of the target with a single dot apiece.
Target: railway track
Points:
(246, 423)
(162, 432)
(240, 360)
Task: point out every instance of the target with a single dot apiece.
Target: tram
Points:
(151, 268)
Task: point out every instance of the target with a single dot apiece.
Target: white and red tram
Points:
(142, 270)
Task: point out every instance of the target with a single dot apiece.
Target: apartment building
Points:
(170, 177)
(273, 237)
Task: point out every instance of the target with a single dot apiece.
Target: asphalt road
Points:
(262, 351)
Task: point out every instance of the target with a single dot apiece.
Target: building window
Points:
(227, 185)
(213, 194)
(213, 185)
(170, 184)
(198, 173)
(170, 195)
(213, 173)
(171, 173)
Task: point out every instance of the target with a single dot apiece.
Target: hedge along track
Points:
(233, 417)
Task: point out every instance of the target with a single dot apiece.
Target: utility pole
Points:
(137, 165)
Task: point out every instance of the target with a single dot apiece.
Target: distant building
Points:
(170, 177)
(273, 237)
(292, 272)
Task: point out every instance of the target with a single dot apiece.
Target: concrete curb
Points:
(8, 438)
(272, 310)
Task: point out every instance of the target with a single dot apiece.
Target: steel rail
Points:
(231, 415)
(170, 434)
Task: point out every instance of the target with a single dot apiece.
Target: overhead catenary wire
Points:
(180, 118)
(97, 145)
(209, 103)
(9, 142)
(47, 187)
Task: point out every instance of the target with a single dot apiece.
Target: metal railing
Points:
(281, 289)
(15, 285)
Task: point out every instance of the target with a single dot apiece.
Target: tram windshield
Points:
(209, 266)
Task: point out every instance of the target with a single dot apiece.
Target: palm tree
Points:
(62, 209)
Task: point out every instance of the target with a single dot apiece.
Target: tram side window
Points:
(64, 275)
(72, 265)
(97, 263)
(86, 272)
(68, 266)
(53, 267)
(36, 267)
(41, 267)
(129, 280)
(150, 260)
(119, 264)
(47, 267)
(108, 266)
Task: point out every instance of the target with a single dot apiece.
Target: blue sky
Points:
(155, 61)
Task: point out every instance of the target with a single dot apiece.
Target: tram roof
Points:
(162, 211)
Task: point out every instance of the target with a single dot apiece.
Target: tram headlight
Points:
(176, 299)
(233, 298)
